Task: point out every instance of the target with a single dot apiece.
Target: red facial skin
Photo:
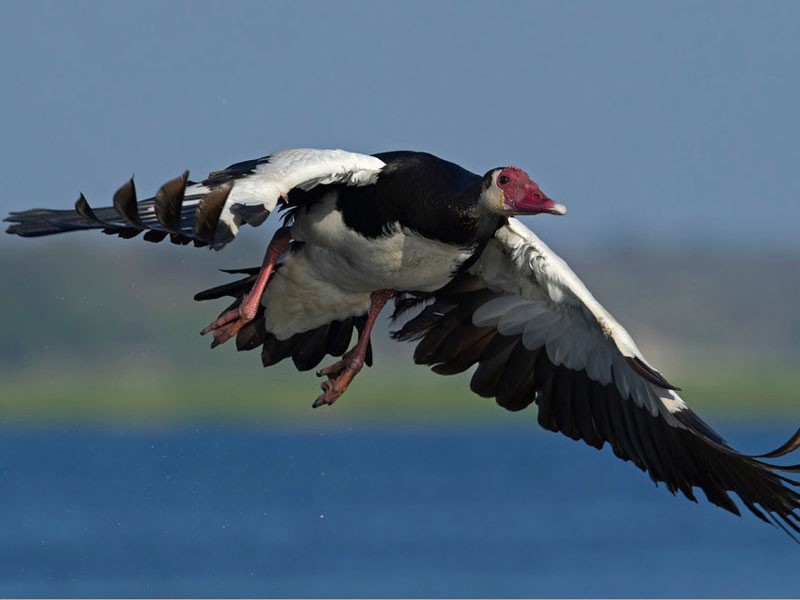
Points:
(522, 196)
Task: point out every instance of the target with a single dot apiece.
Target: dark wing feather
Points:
(491, 366)
(536, 334)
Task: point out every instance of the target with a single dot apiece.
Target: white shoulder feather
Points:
(547, 304)
(277, 174)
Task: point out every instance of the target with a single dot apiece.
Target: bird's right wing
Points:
(207, 212)
(538, 335)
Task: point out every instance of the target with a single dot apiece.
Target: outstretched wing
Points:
(537, 334)
(207, 212)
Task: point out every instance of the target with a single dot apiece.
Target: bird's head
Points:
(509, 191)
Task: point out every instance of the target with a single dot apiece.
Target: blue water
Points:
(364, 512)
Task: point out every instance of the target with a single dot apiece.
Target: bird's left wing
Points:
(537, 334)
(208, 212)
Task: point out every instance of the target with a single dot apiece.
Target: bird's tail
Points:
(182, 210)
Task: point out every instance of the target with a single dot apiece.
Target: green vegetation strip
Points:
(281, 396)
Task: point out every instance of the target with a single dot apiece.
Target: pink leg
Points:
(229, 323)
(340, 374)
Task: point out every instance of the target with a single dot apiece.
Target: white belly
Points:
(298, 300)
(401, 260)
(332, 275)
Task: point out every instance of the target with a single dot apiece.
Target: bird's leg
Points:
(341, 373)
(230, 322)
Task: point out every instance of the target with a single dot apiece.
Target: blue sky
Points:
(662, 122)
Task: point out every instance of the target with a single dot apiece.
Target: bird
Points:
(470, 284)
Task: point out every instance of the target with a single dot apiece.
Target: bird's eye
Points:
(502, 180)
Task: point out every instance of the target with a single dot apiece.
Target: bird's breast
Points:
(400, 259)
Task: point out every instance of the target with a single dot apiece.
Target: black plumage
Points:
(571, 403)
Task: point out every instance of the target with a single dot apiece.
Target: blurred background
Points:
(134, 461)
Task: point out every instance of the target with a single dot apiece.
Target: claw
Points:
(229, 323)
(226, 332)
(336, 368)
(339, 375)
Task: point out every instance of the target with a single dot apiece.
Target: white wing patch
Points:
(302, 168)
(548, 305)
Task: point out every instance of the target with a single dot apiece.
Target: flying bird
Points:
(471, 285)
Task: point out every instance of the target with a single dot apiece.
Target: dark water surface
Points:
(364, 512)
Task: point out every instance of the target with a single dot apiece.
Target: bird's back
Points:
(421, 192)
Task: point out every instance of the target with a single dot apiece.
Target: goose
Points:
(472, 286)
